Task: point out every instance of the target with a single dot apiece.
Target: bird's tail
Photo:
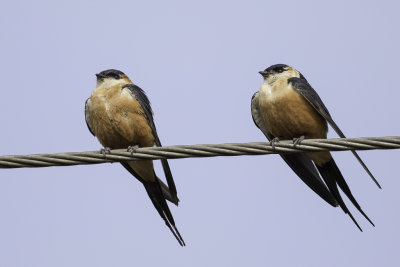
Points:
(304, 168)
(333, 177)
(155, 193)
(164, 188)
(167, 193)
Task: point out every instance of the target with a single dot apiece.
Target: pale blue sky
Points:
(198, 62)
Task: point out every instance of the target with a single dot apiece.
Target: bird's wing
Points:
(144, 172)
(164, 188)
(305, 89)
(298, 162)
(144, 102)
(87, 115)
(333, 177)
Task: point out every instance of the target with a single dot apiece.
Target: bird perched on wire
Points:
(286, 107)
(118, 113)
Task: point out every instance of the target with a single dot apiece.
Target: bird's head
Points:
(278, 71)
(111, 77)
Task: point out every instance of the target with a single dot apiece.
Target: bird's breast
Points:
(118, 120)
(288, 115)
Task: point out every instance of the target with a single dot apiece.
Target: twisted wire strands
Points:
(203, 150)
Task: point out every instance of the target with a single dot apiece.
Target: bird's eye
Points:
(280, 70)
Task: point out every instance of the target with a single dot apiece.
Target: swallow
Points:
(287, 108)
(119, 114)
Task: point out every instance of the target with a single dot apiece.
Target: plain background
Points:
(198, 61)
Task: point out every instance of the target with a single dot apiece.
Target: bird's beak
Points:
(100, 76)
(263, 73)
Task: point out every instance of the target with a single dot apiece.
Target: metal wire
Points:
(193, 151)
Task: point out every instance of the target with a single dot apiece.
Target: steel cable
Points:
(204, 150)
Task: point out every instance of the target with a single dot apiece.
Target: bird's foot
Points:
(274, 141)
(297, 141)
(132, 149)
(105, 150)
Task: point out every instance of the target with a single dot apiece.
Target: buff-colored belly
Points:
(118, 121)
(289, 116)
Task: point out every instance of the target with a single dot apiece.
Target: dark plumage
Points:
(119, 114)
(288, 107)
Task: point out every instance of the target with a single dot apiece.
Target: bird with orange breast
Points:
(287, 108)
(119, 114)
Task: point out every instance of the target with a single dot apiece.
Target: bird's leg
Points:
(132, 149)
(273, 141)
(105, 150)
(297, 141)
